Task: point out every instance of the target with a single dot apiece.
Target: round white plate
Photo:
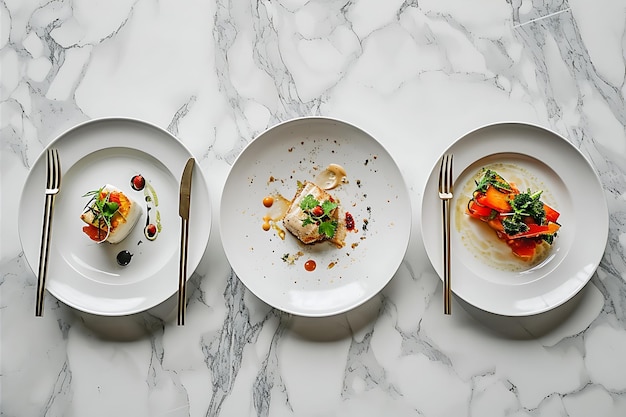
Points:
(375, 195)
(86, 275)
(484, 272)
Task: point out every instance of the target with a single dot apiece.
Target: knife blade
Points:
(184, 204)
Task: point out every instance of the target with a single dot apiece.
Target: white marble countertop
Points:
(415, 74)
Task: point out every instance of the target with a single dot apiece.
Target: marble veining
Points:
(416, 74)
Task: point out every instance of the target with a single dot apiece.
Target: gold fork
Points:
(53, 183)
(445, 194)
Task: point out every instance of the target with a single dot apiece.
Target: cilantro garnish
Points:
(328, 228)
(320, 214)
(308, 202)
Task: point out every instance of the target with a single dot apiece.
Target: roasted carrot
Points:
(495, 199)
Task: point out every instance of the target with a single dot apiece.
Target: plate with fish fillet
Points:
(114, 246)
(315, 216)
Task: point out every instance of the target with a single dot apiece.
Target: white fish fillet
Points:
(122, 222)
(295, 215)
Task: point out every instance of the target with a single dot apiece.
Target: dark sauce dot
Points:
(148, 208)
(124, 257)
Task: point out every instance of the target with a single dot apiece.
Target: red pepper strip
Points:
(535, 230)
(551, 214)
(476, 210)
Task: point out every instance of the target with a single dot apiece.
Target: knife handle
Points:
(182, 275)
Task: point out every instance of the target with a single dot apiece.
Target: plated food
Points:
(133, 274)
(485, 271)
(307, 211)
(314, 216)
(110, 214)
(520, 219)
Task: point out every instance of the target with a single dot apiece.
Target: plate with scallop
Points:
(134, 270)
(315, 216)
(498, 264)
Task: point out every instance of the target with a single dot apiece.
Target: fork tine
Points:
(444, 181)
(449, 175)
(441, 173)
(57, 169)
(49, 167)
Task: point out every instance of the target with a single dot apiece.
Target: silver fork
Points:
(445, 194)
(53, 183)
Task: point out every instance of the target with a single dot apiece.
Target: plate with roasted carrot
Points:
(521, 239)
(520, 219)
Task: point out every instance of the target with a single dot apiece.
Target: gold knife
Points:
(184, 204)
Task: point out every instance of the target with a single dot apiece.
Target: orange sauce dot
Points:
(268, 201)
(310, 265)
(266, 223)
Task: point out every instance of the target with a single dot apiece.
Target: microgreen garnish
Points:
(319, 213)
(492, 178)
(524, 205)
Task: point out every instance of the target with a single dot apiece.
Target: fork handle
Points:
(44, 253)
(447, 294)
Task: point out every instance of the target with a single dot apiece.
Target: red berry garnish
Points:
(317, 211)
(138, 182)
(150, 231)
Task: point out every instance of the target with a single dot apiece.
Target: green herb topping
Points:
(492, 178)
(524, 205)
(320, 214)
(102, 208)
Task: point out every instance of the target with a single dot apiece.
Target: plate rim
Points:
(594, 176)
(199, 252)
(403, 187)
